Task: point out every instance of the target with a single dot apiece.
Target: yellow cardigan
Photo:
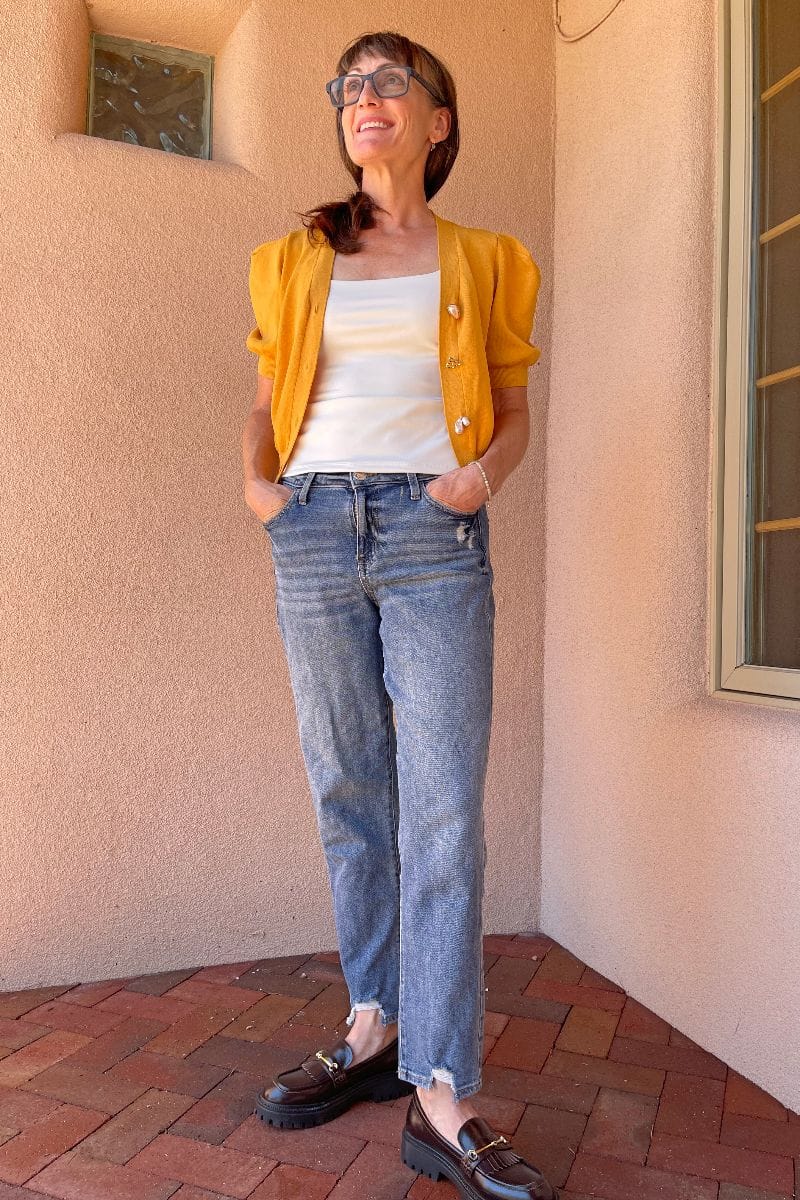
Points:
(489, 287)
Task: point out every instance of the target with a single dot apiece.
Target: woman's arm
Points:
(510, 437)
(463, 487)
(259, 456)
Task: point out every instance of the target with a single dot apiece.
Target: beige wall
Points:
(156, 811)
(670, 818)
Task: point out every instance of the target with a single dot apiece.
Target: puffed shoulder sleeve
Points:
(266, 263)
(509, 351)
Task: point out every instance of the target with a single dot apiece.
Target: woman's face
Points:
(408, 123)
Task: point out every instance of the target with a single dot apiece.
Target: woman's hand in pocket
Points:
(265, 498)
(461, 488)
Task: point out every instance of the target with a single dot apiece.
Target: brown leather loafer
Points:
(487, 1167)
(327, 1082)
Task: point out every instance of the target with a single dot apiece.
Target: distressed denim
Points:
(386, 611)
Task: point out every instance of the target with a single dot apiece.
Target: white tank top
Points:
(376, 400)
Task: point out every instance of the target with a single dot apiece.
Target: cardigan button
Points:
(454, 310)
(453, 362)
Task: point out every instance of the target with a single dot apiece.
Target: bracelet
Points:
(483, 473)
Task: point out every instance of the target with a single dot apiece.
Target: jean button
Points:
(361, 474)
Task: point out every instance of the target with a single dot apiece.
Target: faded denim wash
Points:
(386, 609)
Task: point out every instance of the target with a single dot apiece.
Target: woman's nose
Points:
(369, 95)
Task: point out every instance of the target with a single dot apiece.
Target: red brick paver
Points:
(144, 1089)
(75, 1177)
(232, 1172)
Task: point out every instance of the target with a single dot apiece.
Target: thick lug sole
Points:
(426, 1161)
(387, 1086)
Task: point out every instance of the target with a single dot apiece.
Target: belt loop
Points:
(303, 497)
(413, 483)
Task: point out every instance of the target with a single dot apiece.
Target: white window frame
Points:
(730, 677)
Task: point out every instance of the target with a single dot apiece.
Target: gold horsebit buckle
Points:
(334, 1069)
(473, 1157)
(329, 1062)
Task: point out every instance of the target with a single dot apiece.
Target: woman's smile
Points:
(370, 125)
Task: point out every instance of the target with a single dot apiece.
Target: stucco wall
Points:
(670, 818)
(156, 812)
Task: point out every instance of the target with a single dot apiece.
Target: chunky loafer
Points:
(487, 1168)
(326, 1083)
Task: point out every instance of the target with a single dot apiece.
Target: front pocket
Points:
(271, 521)
(446, 508)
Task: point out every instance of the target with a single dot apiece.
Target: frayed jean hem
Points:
(427, 1081)
(362, 1005)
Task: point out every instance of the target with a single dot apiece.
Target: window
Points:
(149, 95)
(757, 584)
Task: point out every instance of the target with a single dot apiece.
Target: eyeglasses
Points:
(387, 82)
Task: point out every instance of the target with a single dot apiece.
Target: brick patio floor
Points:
(140, 1089)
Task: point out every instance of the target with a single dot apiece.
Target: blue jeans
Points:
(386, 610)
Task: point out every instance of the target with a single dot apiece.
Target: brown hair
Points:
(340, 221)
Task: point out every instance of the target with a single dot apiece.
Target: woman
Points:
(391, 405)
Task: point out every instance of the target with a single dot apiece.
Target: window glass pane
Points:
(778, 451)
(775, 638)
(777, 634)
(780, 147)
(779, 308)
(773, 585)
(780, 39)
(149, 95)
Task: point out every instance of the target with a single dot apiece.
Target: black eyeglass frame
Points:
(371, 77)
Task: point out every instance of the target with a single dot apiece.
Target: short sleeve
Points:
(509, 352)
(266, 263)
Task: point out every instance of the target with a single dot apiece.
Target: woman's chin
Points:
(367, 158)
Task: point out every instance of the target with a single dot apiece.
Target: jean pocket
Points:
(273, 520)
(447, 508)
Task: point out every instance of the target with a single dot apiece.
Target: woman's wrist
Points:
(489, 490)
(491, 467)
